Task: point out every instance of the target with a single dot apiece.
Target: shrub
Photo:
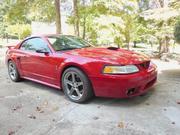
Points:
(19, 30)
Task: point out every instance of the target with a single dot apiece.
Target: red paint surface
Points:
(47, 69)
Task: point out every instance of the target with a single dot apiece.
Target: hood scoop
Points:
(112, 48)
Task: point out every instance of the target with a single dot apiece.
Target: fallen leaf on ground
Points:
(14, 108)
(67, 103)
(11, 133)
(55, 108)
(165, 109)
(32, 116)
(178, 102)
(121, 125)
(41, 111)
(53, 120)
(38, 109)
(45, 103)
(95, 118)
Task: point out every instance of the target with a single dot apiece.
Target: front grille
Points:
(145, 64)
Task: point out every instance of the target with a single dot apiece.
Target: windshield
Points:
(67, 43)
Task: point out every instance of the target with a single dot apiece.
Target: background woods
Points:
(114, 22)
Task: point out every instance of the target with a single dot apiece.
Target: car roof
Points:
(47, 35)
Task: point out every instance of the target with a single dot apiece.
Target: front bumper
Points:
(124, 86)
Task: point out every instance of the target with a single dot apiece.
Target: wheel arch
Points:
(18, 76)
(8, 60)
(11, 59)
(74, 65)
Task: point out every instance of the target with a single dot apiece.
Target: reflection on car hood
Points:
(119, 56)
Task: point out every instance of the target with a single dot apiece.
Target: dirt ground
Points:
(31, 108)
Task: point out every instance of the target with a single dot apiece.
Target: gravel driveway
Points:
(31, 108)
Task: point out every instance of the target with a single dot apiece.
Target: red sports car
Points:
(81, 70)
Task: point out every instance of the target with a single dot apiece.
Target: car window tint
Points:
(67, 42)
(35, 44)
(57, 43)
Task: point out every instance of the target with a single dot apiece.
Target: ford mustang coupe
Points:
(81, 70)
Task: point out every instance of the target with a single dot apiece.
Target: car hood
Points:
(117, 56)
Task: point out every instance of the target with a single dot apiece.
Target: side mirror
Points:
(42, 51)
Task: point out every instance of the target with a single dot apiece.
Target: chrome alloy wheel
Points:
(74, 85)
(12, 71)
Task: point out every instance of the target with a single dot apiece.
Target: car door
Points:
(35, 63)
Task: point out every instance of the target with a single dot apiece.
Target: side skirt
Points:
(41, 82)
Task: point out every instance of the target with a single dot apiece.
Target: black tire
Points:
(85, 89)
(16, 77)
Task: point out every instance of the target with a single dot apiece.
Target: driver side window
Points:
(57, 43)
(34, 44)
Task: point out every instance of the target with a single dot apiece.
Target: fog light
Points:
(130, 91)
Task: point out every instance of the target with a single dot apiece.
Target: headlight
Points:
(127, 69)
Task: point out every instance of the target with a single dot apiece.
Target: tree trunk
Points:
(164, 45)
(84, 27)
(135, 44)
(76, 17)
(128, 46)
(84, 23)
(7, 37)
(160, 45)
(127, 43)
(167, 40)
(161, 3)
(58, 16)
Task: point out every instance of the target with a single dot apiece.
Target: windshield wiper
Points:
(66, 49)
(86, 46)
(73, 48)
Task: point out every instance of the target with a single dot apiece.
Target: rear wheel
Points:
(13, 72)
(76, 85)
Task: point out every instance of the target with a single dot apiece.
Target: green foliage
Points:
(12, 17)
(122, 21)
(87, 15)
(25, 11)
(177, 31)
(3, 25)
(19, 30)
(101, 21)
(16, 16)
(118, 41)
(3, 30)
(42, 10)
(175, 4)
(16, 11)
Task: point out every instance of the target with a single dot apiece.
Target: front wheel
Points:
(76, 85)
(13, 72)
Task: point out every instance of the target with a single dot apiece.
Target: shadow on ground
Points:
(97, 100)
